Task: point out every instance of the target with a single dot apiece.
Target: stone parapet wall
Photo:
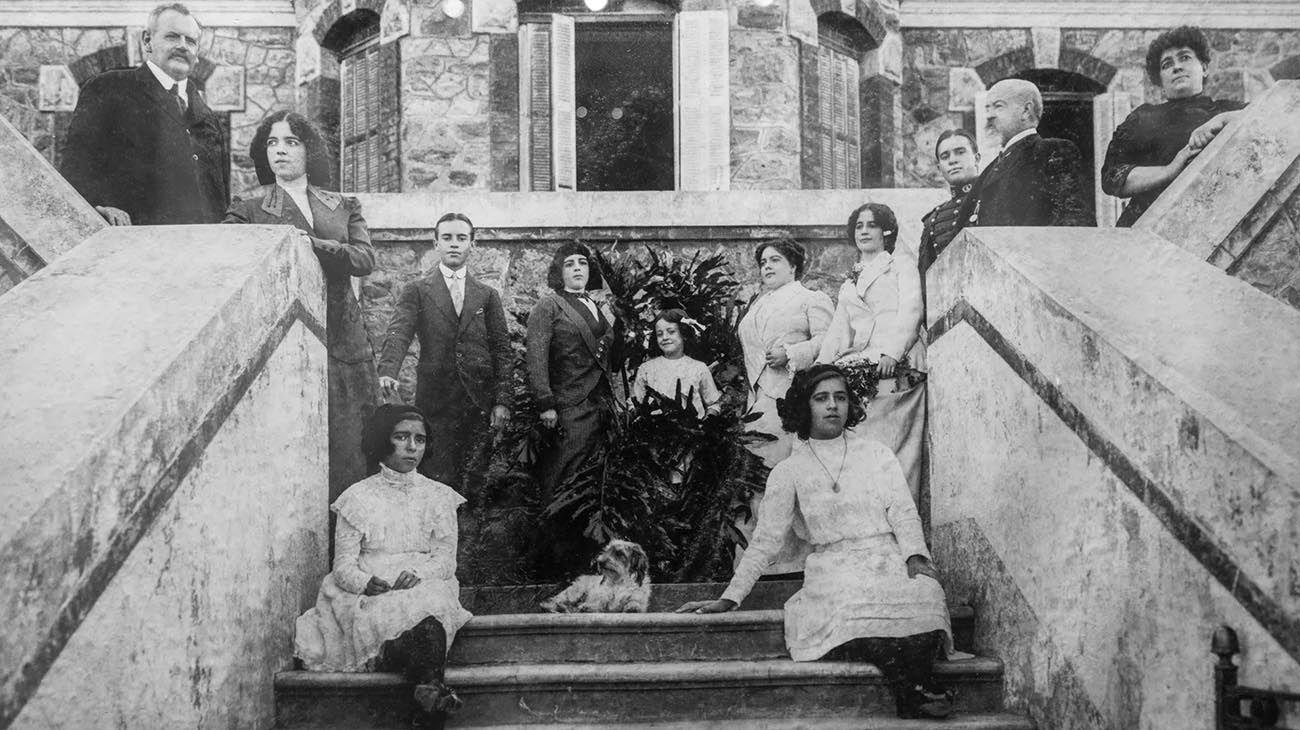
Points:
(41, 215)
(1114, 471)
(164, 419)
(1237, 205)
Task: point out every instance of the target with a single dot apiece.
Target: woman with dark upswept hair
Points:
(780, 334)
(870, 591)
(877, 324)
(1157, 141)
(392, 601)
(293, 166)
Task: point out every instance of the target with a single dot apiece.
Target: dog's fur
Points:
(621, 585)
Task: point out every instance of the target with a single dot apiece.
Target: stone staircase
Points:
(515, 667)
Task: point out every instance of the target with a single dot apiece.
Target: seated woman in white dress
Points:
(870, 592)
(392, 602)
(673, 370)
(878, 321)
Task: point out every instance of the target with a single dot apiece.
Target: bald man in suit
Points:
(1035, 180)
(143, 147)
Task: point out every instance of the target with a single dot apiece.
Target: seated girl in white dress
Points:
(870, 592)
(392, 602)
(673, 369)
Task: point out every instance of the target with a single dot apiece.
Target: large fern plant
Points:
(663, 477)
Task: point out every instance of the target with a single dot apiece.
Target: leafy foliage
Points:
(664, 477)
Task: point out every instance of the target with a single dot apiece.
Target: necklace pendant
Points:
(835, 487)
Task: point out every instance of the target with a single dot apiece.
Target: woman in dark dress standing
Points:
(1153, 145)
(567, 354)
(293, 166)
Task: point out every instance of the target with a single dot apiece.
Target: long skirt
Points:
(897, 420)
(855, 589)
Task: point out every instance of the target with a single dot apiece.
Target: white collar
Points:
(167, 81)
(451, 273)
(1019, 136)
(393, 478)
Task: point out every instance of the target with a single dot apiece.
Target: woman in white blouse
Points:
(392, 602)
(870, 591)
(780, 334)
(878, 320)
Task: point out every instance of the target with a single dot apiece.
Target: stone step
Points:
(484, 600)
(538, 694)
(974, 721)
(635, 637)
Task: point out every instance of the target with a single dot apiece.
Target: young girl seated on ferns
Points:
(674, 370)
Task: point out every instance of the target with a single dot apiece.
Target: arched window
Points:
(832, 114)
(369, 120)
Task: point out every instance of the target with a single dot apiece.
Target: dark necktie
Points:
(180, 100)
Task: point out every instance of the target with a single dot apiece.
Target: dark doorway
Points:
(1067, 112)
(624, 91)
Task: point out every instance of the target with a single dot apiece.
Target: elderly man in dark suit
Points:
(463, 376)
(143, 147)
(1034, 181)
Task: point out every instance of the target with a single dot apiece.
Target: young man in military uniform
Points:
(958, 158)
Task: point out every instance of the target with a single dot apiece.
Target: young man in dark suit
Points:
(1034, 181)
(143, 147)
(463, 375)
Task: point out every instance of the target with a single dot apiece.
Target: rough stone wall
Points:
(22, 53)
(935, 97)
(446, 128)
(766, 123)
(265, 53)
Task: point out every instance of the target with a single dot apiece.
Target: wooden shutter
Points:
(702, 93)
(369, 120)
(1108, 110)
(548, 148)
(564, 143)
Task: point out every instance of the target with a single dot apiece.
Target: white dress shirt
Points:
(585, 298)
(168, 82)
(455, 279)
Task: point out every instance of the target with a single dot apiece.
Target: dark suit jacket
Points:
(471, 350)
(129, 147)
(566, 361)
(1036, 182)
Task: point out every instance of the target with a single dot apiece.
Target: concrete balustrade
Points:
(164, 475)
(1114, 470)
(41, 215)
(1237, 205)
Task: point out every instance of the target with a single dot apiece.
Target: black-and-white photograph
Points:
(650, 364)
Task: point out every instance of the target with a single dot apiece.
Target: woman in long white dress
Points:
(392, 601)
(878, 320)
(780, 334)
(870, 591)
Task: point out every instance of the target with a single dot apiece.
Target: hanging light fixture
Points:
(453, 8)
(596, 6)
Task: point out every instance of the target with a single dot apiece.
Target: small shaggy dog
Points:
(621, 586)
